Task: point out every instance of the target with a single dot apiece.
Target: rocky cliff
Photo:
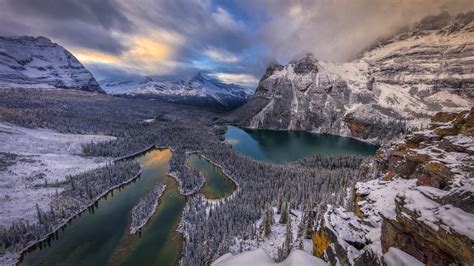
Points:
(419, 209)
(394, 86)
(36, 62)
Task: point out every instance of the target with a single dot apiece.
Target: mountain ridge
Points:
(199, 90)
(37, 62)
(392, 89)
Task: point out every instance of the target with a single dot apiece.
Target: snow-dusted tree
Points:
(267, 223)
(223, 246)
(284, 214)
(279, 203)
(206, 250)
(300, 244)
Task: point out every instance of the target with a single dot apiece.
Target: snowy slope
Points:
(38, 157)
(199, 89)
(119, 86)
(36, 62)
(396, 84)
(258, 257)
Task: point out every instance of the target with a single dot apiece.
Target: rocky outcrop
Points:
(36, 62)
(419, 209)
(341, 239)
(395, 86)
(433, 221)
(431, 232)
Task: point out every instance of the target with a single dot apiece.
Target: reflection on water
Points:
(286, 146)
(96, 238)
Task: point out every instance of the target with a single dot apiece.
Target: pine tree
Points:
(206, 250)
(308, 226)
(39, 214)
(284, 214)
(223, 246)
(302, 224)
(300, 244)
(289, 231)
(266, 223)
(279, 204)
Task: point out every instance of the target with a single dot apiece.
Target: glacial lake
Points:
(100, 235)
(280, 147)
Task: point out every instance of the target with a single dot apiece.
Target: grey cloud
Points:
(195, 21)
(338, 30)
(105, 13)
(86, 23)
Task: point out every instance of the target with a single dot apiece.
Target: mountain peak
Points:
(36, 62)
(305, 64)
(305, 56)
(199, 77)
(433, 22)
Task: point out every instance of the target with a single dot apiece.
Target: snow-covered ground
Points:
(44, 157)
(276, 238)
(380, 199)
(259, 257)
(396, 257)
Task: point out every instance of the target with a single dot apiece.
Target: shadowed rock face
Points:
(31, 62)
(395, 85)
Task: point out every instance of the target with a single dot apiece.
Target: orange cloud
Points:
(95, 57)
(147, 49)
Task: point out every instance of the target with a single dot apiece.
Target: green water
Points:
(217, 184)
(100, 236)
(97, 238)
(287, 146)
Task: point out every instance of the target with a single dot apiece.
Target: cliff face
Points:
(396, 85)
(421, 206)
(29, 62)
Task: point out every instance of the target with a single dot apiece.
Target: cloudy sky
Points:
(232, 40)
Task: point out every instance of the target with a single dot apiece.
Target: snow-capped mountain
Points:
(393, 86)
(36, 62)
(117, 86)
(199, 90)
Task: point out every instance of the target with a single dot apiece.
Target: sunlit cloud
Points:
(88, 57)
(245, 80)
(220, 56)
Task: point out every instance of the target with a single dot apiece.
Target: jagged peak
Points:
(24, 38)
(304, 57)
(199, 77)
(273, 63)
(434, 22)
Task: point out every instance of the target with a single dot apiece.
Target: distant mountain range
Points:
(397, 84)
(200, 90)
(36, 62)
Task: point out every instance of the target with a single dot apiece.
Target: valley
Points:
(147, 151)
